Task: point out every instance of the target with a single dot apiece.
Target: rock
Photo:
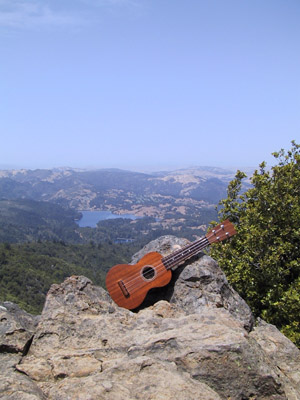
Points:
(195, 343)
(16, 328)
(196, 284)
(282, 352)
(13, 384)
(16, 332)
(138, 378)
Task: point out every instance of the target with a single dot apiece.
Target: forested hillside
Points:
(28, 270)
(25, 220)
(41, 243)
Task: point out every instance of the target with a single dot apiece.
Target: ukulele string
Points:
(178, 254)
(159, 266)
(173, 258)
(193, 248)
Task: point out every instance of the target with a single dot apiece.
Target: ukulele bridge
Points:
(123, 288)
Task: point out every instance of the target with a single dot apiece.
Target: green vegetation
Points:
(40, 244)
(28, 270)
(148, 228)
(28, 220)
(262, 261)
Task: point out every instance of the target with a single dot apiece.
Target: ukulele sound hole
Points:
(148, 273)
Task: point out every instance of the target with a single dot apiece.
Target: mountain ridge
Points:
(176, 199)
(62, 184)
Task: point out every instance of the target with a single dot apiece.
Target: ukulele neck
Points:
(180, 256)
(217, 234)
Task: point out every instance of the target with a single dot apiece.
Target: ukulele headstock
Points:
(221, 232)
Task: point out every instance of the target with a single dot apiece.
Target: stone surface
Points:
(195, 343)
(197, 284)
(13, 384)
(282, 352)
(16, 328)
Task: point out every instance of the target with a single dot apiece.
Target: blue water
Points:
(91, 218)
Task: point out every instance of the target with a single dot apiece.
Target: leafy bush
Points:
(263, 260)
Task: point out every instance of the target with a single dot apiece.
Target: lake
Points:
(91, 218)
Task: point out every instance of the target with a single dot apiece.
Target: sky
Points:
(148, 84)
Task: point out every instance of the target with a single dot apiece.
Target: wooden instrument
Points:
(128, 284)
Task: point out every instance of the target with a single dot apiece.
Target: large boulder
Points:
(193, 339)
(196, 284)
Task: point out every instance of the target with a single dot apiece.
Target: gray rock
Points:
(16, 332)
(13, 384)
(16, 328)
(196, 284)
(282, 353)
(196, 345)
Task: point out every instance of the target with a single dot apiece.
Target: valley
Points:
(41, 242)
(182, 201)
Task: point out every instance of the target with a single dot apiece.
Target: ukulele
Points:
(128, 284)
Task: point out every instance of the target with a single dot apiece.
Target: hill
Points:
(26, 220)
(176, 200)
(28, 270)
(111, 188)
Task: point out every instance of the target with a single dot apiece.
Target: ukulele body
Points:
(128, 284)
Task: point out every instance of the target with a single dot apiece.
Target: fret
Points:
(179, 256)
(218, 234)
(129, 284)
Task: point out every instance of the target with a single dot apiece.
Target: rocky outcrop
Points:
(196, 284)
(193, 339)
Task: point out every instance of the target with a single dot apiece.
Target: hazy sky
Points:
(148, 84)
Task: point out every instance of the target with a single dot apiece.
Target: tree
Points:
(262, 261)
